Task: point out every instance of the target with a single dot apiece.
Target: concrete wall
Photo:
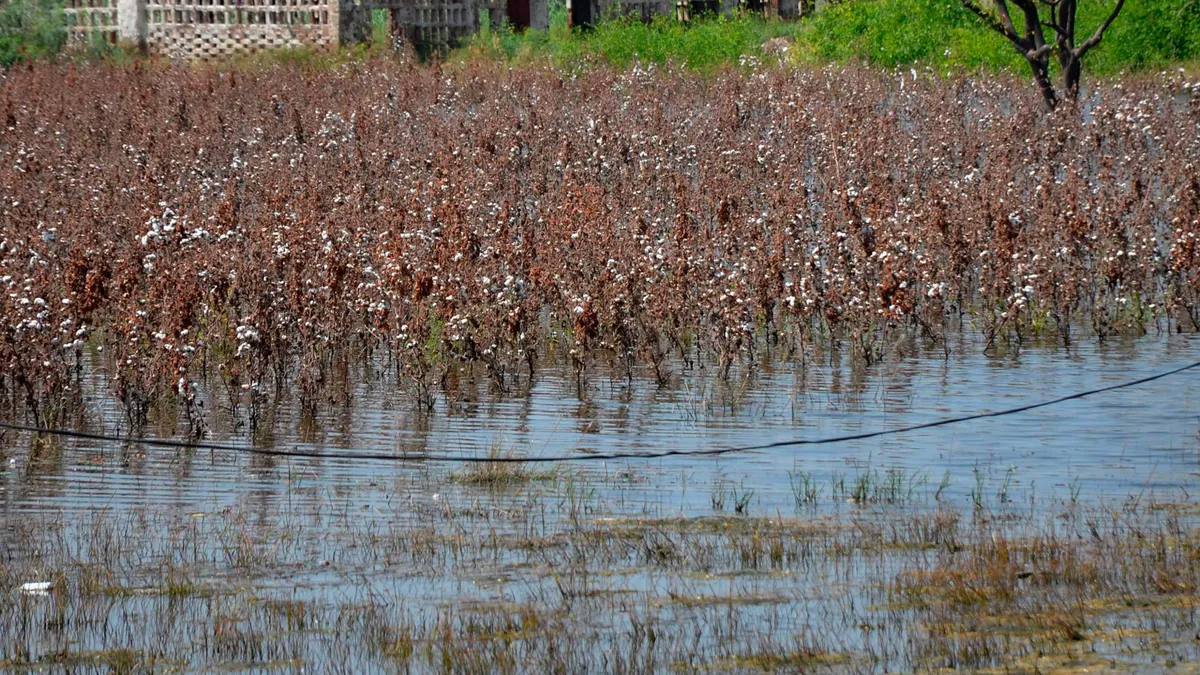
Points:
(204, 29)
(95, 19)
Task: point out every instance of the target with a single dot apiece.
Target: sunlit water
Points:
(1105, 446)
(1100, 449)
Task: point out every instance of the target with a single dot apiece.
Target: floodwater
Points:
(339, 533)
(1141, 438)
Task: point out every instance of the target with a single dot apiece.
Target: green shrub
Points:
(888, 33)
(702, 44)
(30, 29)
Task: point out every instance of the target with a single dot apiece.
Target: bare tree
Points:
(1031, 40)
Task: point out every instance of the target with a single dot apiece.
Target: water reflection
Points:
(1106, 445)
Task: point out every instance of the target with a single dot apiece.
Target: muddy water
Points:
(342, 533)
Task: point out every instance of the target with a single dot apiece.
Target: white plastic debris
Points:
(36, 588)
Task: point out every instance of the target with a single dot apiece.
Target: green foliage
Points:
(904, 32)
(1149, 34)
(30, 29)
(381, 28)
(941, 33)
(700, 45)
(96, 49)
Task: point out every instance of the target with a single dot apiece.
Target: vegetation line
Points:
(496, 459)
(945, 35)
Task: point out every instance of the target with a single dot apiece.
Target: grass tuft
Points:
(502, 473)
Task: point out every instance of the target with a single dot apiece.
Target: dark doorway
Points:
(518, 14)
(755, 6)
(581, 13)
(705, 8)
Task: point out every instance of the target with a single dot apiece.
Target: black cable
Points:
(713, 452)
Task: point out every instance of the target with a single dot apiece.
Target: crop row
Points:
(179, 225)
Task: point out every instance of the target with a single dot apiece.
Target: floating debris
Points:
(36, 588)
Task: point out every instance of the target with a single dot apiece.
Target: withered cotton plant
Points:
(257, 232)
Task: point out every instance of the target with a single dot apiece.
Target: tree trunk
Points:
(1041, 75)
(1072, 70)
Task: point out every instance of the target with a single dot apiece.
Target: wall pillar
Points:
(539, 14)
(334, 26)
(131, 22)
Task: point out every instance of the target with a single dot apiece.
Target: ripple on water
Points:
(1143, 437)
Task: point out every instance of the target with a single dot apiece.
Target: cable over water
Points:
(360, 455)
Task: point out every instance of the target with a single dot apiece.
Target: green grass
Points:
(500, 475)
(1149, 34)
(892, 33)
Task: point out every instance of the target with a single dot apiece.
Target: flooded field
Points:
(430, 264)
(1059, 540)
(1104, 447)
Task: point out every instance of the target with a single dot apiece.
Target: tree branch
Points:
(1004, 27)
(1035, 54)
(1056, 28)
(1033, 27)
(1099, 35)
(1005, 17)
